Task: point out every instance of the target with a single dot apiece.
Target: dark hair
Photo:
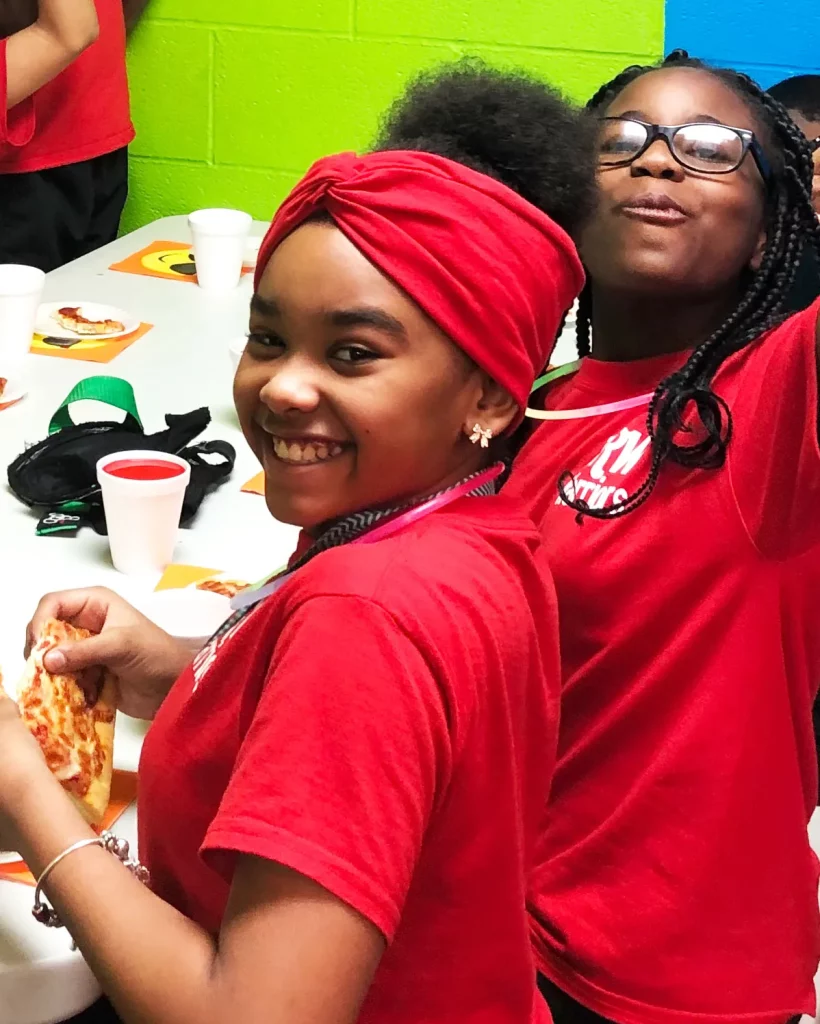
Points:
(800, 94)
(506, 124)
(790, 221)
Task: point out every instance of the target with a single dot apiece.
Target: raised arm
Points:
(38, 53)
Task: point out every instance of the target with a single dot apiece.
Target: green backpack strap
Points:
(114, 391)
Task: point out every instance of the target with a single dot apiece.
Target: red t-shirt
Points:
(385, 725)
(676, 882)
(81, 114)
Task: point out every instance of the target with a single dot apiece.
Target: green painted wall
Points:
(232, 100)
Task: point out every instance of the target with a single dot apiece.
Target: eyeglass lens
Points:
(711, 148)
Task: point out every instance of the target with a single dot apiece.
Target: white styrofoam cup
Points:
(220, 239)
(142, 516)
(21, 289)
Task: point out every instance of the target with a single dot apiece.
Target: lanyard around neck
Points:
(588, 411)
(267, 586)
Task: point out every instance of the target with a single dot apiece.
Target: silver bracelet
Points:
(45, 914)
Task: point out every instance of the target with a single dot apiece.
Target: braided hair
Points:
(790, 219)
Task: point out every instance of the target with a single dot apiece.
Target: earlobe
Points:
(757, 255)
(496, 408)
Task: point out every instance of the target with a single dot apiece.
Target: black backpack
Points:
(59, 475)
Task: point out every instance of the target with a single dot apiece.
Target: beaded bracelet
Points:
(45, 914)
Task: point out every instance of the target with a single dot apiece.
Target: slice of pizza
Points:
(77, 738)
(71, 318)
(3, 383)
(223, 587)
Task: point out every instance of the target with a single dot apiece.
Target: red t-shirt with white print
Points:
(385, 724)
(676, 882)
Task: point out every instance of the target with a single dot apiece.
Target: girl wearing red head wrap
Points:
(339, 797)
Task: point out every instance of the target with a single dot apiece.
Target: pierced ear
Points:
(757, 255)
(495, 409)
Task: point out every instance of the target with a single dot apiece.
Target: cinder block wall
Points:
(233, 99)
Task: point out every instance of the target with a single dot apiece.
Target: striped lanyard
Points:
(477, 483)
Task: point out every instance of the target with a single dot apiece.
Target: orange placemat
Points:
(171, 261)
(123, 794)
(256, 485)
(177, 577)
(89, 350)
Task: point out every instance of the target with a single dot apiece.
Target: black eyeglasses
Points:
(705, 147)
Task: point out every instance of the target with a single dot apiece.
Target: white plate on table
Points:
(48, 326)
(187, 614)
(12, 393)
(8, 857)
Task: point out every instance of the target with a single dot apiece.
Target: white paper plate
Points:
(186, 614)
(12, 393)
(46, 325)
(8, 857)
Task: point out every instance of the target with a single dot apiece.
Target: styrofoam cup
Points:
(220, 238)
(236, 347)
(142, 516)
(21, 289)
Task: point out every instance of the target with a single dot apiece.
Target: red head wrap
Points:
(489, 268)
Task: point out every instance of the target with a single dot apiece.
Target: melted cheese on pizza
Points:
(76, 738)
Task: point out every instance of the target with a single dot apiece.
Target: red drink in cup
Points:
(142, 495)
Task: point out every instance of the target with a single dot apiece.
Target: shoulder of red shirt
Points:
(432, 549)
(622, 379)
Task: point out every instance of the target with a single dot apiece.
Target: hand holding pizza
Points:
(21, 768)
(143, 659)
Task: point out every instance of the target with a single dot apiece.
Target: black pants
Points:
(565, 1010)
(48, 218)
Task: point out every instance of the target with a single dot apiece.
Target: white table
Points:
(180, 365)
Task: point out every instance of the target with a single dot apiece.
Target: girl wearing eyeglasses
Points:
(676, 481)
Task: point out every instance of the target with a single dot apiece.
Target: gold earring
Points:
(481, 436)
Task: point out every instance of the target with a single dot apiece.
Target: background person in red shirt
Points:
(33, 55)
(64, 158)
(676, 883)
(340, 797)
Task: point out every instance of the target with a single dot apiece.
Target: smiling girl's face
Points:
(717, 230)
(349, 395)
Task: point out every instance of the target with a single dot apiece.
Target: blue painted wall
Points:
(768, 39)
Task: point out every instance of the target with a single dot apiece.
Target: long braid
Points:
(791, 223)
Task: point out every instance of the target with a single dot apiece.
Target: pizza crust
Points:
(77, 739)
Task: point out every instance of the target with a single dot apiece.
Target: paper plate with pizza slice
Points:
(84, 321)
(220, 583)
(11, 391)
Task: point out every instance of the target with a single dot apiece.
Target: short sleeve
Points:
(16, 125)
(345, 756)
(774, 456)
